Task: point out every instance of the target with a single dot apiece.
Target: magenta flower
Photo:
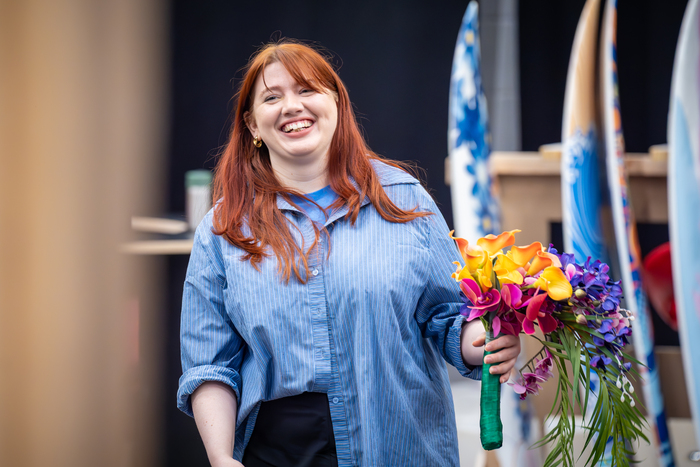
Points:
(534, 313)
(481, 303)
(512, 296)
(511, 299)
(543, 368)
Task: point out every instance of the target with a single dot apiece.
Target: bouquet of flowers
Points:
(577, 309)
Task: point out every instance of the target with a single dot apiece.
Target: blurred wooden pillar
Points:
(83, 92)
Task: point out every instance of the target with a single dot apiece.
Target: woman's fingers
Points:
(503, 342)
(505, 352)
(503, 369)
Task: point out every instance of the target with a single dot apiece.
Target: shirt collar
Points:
(388, 176)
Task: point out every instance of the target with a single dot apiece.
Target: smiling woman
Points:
(318, 307)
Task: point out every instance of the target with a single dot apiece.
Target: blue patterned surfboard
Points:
(580, 174)
(684, 198)
(474, 206)
(580, 184)
(626, 238)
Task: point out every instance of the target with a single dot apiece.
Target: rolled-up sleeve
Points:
(438, 309)
(211, 349)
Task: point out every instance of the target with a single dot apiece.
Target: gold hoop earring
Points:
(257, 142)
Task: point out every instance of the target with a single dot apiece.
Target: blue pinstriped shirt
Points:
(371, 328)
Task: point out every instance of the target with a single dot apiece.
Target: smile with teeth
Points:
(297, 126)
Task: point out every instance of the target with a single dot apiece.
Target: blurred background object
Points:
(658, 283)
(83, 120)
(197, 186)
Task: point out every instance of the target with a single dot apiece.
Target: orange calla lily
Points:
(507, 270)
(543, 260)
(522, 254)
(462, 245)
(493, 243)
(555, 283)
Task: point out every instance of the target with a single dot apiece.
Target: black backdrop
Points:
(396, 59)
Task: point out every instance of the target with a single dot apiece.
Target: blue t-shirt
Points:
(324, 197)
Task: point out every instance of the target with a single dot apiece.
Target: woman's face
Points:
(296, 123)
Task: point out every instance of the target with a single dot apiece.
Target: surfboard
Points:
(582, 203)
(684, 198)
(580, 184)
(474, 206)
(626, 237)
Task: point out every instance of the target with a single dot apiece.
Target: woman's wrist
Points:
(223, 460)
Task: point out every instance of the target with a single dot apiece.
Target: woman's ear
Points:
(250, 122)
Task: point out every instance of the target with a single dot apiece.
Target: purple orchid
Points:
(599, 361)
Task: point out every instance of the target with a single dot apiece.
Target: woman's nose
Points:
(292, 104)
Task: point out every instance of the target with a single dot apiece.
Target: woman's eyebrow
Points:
(269, 89)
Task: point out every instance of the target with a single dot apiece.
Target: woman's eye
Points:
(269, 98)
(304, 91)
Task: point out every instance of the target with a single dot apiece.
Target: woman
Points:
(318, 304)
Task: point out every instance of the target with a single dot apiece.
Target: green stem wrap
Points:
(490, 405)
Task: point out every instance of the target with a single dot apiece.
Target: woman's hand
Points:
(506, 349)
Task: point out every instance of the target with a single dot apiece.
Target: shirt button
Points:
(336, 400)
(315, 272)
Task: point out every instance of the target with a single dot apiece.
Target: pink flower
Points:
(512, 296)
(506, 320)
(481, 302)
(534, 313)
(529, 383)
(526, 384)
(543, 368)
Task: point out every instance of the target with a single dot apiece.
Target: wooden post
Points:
(82, 120)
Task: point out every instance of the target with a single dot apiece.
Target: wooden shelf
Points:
(534, 163)
(159, 247)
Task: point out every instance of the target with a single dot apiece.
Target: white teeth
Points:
(296, 126)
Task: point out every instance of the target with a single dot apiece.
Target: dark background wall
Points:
(647, 35)
(395, 59)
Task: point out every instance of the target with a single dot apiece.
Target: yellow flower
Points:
(507, 270)
(555, 283)
(476, 258)
(483, 275)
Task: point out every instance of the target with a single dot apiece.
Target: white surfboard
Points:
(628, 250)
(684, 198)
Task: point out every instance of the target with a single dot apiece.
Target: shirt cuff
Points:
(454, 347)
(194, 377)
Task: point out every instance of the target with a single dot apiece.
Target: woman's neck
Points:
(304, 178)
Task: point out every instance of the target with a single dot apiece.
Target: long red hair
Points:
(245, 188)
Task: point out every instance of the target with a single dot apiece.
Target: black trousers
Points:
(293, 431)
